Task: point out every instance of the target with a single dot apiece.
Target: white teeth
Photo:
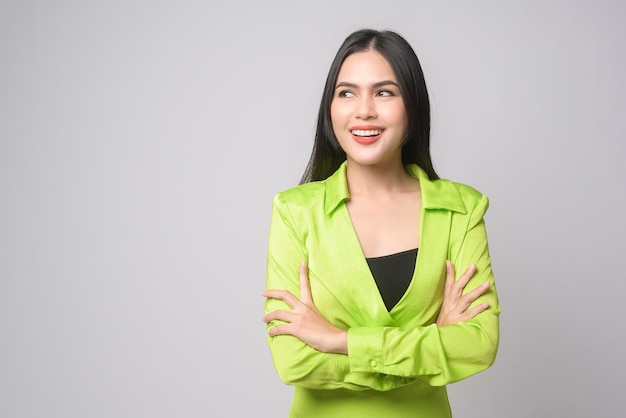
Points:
(368, 132)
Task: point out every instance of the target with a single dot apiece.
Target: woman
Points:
(358, 322)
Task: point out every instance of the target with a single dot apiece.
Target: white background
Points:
(141, 143)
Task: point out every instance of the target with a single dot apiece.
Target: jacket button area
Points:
(374, 364)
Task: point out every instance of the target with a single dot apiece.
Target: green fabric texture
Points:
(399, 361)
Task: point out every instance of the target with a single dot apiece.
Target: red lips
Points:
(366, 134)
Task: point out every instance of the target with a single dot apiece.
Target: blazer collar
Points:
(437, 194)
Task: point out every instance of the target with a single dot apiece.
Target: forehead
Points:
(365, 67)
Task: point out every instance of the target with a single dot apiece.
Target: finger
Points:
(470, 313)
(305, 286)
(282, 329)
(466, 276)
(474, 294)
(279, 315)
(470, 297)
(284, 295)
(449, 277)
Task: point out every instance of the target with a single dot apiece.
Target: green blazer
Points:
(399, 361)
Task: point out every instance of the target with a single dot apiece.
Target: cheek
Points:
(335, 111)
(337, 116)
(396, 114)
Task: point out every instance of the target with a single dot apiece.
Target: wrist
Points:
(341, 342)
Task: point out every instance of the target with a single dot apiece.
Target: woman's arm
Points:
(297, 362)
(449, 352)
(304, 321)
(386, 357)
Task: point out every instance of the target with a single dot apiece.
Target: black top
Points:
(393, 274)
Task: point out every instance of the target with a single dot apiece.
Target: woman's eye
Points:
(385, 93)
(345, 93)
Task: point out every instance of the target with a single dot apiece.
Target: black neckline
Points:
(413, 250)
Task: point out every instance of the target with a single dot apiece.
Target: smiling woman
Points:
(366, 316)
(367, 92)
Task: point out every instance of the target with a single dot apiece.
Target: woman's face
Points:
(367, 111)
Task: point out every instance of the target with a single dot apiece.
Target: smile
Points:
(366, 133)
(366, 136)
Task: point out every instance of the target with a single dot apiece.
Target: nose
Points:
(365, 108)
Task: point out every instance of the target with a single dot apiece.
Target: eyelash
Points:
(382, 93)
(344, 93)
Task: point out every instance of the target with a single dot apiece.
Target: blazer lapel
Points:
(416, 306)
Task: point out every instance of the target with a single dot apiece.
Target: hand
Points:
(304, 321)
(455, 306)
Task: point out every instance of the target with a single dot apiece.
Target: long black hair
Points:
(327, 154)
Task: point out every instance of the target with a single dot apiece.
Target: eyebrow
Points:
(375, 85)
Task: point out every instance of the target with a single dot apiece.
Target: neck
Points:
(378, 179)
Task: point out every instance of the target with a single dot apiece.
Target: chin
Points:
(370, 161)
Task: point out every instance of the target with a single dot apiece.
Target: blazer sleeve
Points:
(296, 362)
(439, 355)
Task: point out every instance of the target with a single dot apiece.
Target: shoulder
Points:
(304, 195)
(474, 202)
(470, 196)
(466, 205)
(449, 195)
(323, 195)
(446, 194)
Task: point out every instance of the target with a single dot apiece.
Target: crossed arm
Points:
(320, 352)
(305, 322)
